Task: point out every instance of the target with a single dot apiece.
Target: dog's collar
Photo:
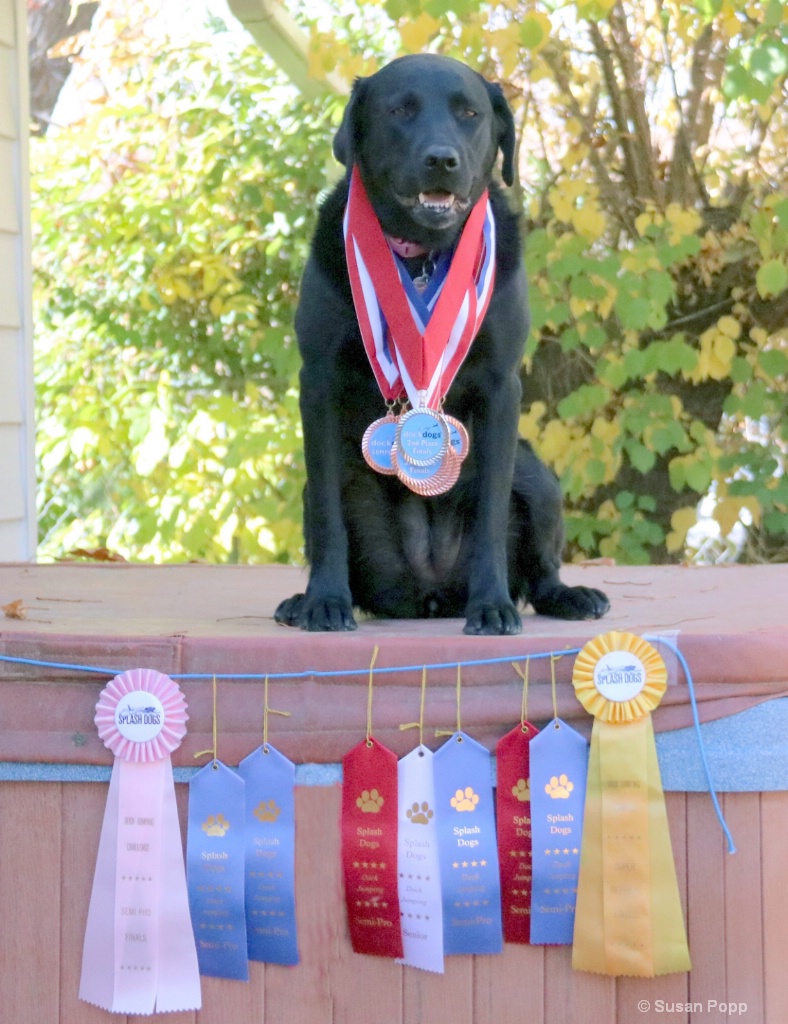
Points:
(404, 248)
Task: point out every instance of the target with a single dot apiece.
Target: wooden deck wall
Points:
(737, 920)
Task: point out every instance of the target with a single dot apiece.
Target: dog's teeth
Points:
(437, 201)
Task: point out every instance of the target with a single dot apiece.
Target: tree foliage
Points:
(171, 227)
(652, 141)
(652, 144)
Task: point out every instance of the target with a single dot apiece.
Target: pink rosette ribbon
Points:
(139, 955)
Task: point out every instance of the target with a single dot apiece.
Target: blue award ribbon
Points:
(215, 871)
(468, 847)
(559, 768)
(270, 856)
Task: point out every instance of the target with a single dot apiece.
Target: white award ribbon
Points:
(418, 867)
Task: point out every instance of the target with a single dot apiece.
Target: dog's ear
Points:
(506, 135)
(349, 133)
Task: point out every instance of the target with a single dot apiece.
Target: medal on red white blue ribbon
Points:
(416, 338)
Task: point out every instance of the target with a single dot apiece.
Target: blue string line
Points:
(313, 674)
(308, 674)
(698, 734)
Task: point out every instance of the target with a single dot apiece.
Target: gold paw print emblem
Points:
(523, 789)
(465, 799)
(215, 825)
(419, 814)
(370, 801)
(559, 787)
(267, 811)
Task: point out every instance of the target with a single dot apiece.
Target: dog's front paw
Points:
(316, 614)
(491, 618)
(288, 611)
(564, 602)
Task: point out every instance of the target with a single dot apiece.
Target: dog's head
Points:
(425, 132)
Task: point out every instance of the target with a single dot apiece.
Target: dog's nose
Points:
(442, 158)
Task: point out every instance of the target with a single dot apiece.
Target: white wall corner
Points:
(18, 498)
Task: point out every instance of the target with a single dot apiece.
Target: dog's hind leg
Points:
(536, 539)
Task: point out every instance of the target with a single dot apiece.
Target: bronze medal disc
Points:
(428, 481)
(422, 437)
(377, 444)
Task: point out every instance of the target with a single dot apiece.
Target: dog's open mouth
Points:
(438, 202)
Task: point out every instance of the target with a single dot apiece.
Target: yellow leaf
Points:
(643, 222)
(589, 221)
(529, 421)
(416, 33)
(721, 357)
(728, 512)
(759, 335)
(561, 203)
(681, 521)
(728, 22)
(555, 441)
(606, 430)
(685, 222)
(729, 326)
(608, 511)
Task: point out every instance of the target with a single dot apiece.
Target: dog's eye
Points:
(468, 113)
(401, 110)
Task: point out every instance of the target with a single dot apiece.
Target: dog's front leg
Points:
(322, 324)
(490, 608)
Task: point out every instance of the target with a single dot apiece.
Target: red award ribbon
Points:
(422, 360)
(369, 848)
(513, 806)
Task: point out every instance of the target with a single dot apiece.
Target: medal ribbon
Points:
(629, 919)
(423, 360)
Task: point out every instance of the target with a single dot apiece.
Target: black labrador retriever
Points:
(424, 133)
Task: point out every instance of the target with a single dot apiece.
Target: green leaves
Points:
(164, 301)
(771, 279)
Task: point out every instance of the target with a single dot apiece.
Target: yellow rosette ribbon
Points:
(628, 919)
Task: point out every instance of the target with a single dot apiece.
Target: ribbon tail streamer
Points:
(629, 919)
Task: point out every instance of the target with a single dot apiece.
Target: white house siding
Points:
(17, 473)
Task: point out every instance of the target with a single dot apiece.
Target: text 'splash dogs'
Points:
(420, 498)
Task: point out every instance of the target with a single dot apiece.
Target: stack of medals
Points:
(423, 447)
(416, 347)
